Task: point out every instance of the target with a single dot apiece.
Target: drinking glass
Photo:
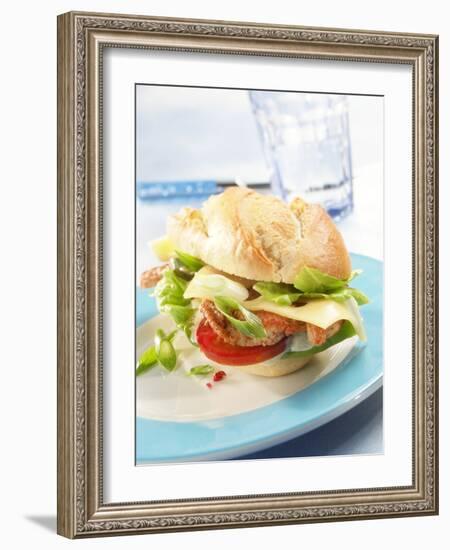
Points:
(307, 147)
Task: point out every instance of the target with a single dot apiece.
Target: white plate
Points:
(177, 397)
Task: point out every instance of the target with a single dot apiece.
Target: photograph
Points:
(221, 289)
(247, 274)
(259, 273)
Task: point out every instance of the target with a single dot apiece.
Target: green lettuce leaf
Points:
(346, 331)
(169, 297)
(315, 284)
(309, 284)
(343, 294)
(191, 262)
(311, 280)
(279, 293)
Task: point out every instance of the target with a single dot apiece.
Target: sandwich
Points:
(256, 283)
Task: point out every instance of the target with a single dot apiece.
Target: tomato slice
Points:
(224, 353)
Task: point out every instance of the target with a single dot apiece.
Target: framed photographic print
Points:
(247, 287)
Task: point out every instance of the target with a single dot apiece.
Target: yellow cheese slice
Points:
(321, 313)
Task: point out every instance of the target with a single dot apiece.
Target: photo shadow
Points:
(47, 522)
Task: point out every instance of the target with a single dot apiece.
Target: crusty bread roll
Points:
(260, 237)
(275, 367)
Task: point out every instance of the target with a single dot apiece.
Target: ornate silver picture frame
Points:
(82, 38)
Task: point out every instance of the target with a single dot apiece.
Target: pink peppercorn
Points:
(219, 375)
